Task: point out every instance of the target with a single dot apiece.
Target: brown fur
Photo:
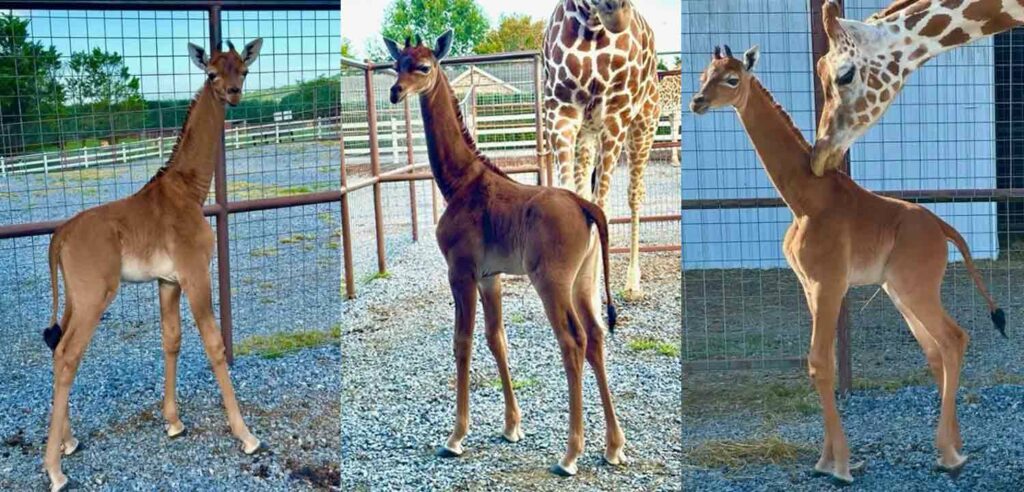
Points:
(844, 235)
(494, 225)
(158, 233)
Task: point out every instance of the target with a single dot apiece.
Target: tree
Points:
(31, 95)
(346, 48)
(101, 77)
(514, 33)
(429, 19)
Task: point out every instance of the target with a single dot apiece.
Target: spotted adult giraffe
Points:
(600, 93)
(670, 96)
(868, 62)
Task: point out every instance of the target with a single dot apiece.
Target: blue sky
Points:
(360, 22)
(297, 45)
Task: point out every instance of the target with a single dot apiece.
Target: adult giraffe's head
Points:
(226, 70)
(417, 65)
(868, 62)
(615, 15)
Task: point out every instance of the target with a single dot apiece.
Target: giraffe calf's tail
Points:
(53, 334)
(997, 314)
(596, 216)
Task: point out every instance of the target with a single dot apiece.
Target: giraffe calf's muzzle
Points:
(699, 104)
(397, 94)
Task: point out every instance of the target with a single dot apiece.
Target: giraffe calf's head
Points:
(226, 70)
(416, 65)
(859, 76)
(615, 15)
(726, 80)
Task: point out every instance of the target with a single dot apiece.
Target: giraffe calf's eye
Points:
(422, 68)
(732, 81)
(847, 76)
(211, 76)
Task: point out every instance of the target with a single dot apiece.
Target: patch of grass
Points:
(735, 454)
(8, 194)
(294, 190)
(1000, 376)
(281, 344)
(972, 398)
(333, 245)
(651, 344)
(264, 251)
(376, 276)
(327, 218)
(771, 395)
(79, 176)
(246, 190)
(516, 318)
(297, 238)
(266, 285)
(917, 378)
(517, 384)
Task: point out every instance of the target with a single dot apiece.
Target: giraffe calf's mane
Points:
(791, 125)
(464, 130)
(181, 136)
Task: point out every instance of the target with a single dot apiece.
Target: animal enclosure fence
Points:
(72, 137)
(951, 142)
(498, 97)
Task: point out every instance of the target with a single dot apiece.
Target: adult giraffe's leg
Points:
(170, 328)
(556, 294)
(490, 296)
(585, 150)
(564, 124)
(638, 146)
(826, 301)
(196, 284)
(675, 136)
(463, 287)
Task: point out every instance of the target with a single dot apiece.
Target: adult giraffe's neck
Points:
(933, 27)
(200, 146)
(453, 157)
(784, 153)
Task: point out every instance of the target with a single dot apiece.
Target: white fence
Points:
(160, 147)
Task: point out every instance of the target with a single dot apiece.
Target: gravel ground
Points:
(892, 431)
(284, 278)
(398, 394)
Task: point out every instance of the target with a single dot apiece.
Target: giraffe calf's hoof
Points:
(952, 469)
(513, 435)
(633, 295)
(260, 448)
(71, 448)
(615, 458)
(842, 479)
(563, 471)
(67, 484)
(175, 430)
(446, 452)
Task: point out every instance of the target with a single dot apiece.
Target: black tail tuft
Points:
(999, 319)
(612, 315)
(52, 336)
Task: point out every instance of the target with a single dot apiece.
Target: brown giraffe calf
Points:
(494, 225)
(844, 235)
(159, 233)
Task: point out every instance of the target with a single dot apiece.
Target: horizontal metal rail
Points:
(926, 196)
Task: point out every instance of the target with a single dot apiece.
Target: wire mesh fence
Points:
(497, 95)
(91, 102)
(948, 142)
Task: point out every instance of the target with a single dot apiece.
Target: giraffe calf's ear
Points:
(251, 51)
(750, 58)
(444, 45)
(198, 56)
(393, 48)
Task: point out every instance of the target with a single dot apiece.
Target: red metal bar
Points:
(378, 215)
(346, 226)
(661, 248)
(220, 193)
(410, 159)
(538, 91)
(819, 46)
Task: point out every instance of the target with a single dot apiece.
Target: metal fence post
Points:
(819, 46)
(410, 160)
(346, 227)
(220, 190)
(378, 216)
(543, 178)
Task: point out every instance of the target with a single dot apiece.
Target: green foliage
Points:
(31, 95)
(654, 345)
(429, 19)
(106, 97)
(514, 33)
(281, 344)
(346, 48)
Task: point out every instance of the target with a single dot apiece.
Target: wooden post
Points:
(346, 227)
(410, 160)
(819, 46)
(538, 93)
